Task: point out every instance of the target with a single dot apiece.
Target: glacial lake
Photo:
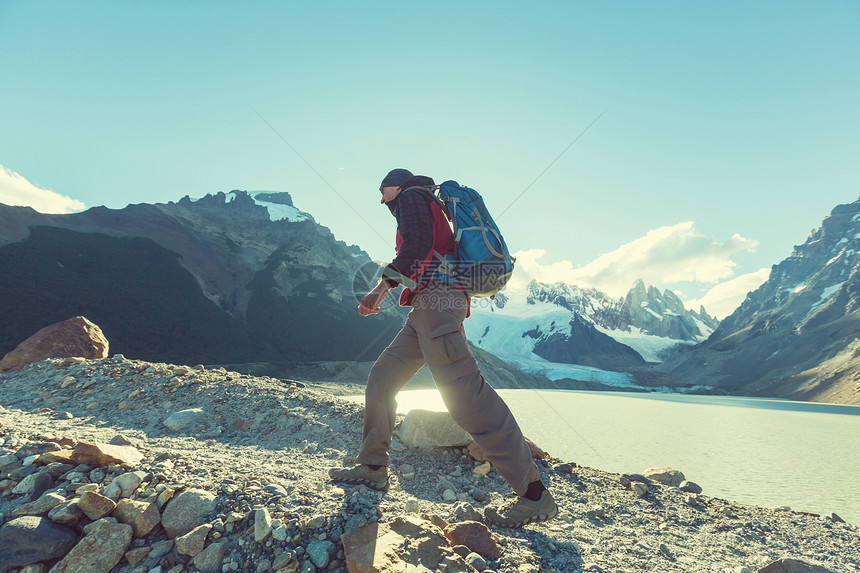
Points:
(756, 451)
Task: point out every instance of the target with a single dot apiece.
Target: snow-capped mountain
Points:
(798, 335)
(567, 331)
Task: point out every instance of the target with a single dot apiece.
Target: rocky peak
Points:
(234, 205)
(793, 336)
(277, 197)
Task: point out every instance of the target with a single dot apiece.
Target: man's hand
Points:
(370, 303)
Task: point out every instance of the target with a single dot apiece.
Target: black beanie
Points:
(396, 178)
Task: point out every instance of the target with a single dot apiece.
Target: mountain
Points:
(798, 335)
(570, 332)
(231, 277)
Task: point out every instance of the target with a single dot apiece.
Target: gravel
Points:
(264, 443)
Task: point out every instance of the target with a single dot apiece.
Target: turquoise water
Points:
(757, 451)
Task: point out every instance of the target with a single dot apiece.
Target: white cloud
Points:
(724, 298)
(666, 255)
(16, 190)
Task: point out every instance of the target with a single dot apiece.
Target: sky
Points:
(690, 144)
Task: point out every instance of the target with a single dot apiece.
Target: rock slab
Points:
(101, 549)
(97, 454)
(406, 543)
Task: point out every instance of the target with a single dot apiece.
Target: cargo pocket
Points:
(452, 340)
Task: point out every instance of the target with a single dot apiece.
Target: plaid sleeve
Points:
(415, 223)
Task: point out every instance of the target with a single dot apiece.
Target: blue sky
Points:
(729, 129)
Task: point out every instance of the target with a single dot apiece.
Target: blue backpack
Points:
(482, 263)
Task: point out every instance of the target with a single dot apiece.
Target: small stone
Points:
(465, 512)
(597, 513)
(280, 533)
(141, 515)
(690, 487)
(161, 548)
(41, 506)
(320, 552)
(448, 495)
(476, 536)
(32, 483)
(833, 517)
(209, 560)
(164, 496)
(67, 381)
(640, 489)
(94, 505)
(135, 556)
(121, 440)
(482, 469)
(192, 542)
(564, 468)
(412, 506)
(34, 568)
(407, 471)
(285, 561)
(128, 482)
(476, 561)
(66, 513)
(262, 525)
(183, 419)
(234, 516)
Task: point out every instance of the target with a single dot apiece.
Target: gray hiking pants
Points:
(433, 335)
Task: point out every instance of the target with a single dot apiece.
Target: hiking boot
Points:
(522, 511)
(361, 474)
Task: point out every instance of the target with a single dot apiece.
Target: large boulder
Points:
(73, 337)
(426, 429)
(666, 476)
(27, 540)
(186, 511)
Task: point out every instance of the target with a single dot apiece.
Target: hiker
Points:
(433, 334)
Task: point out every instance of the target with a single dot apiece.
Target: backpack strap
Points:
(430, 191)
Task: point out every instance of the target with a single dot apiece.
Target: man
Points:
(433, 334)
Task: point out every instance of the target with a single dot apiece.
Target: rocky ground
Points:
(214, 471)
